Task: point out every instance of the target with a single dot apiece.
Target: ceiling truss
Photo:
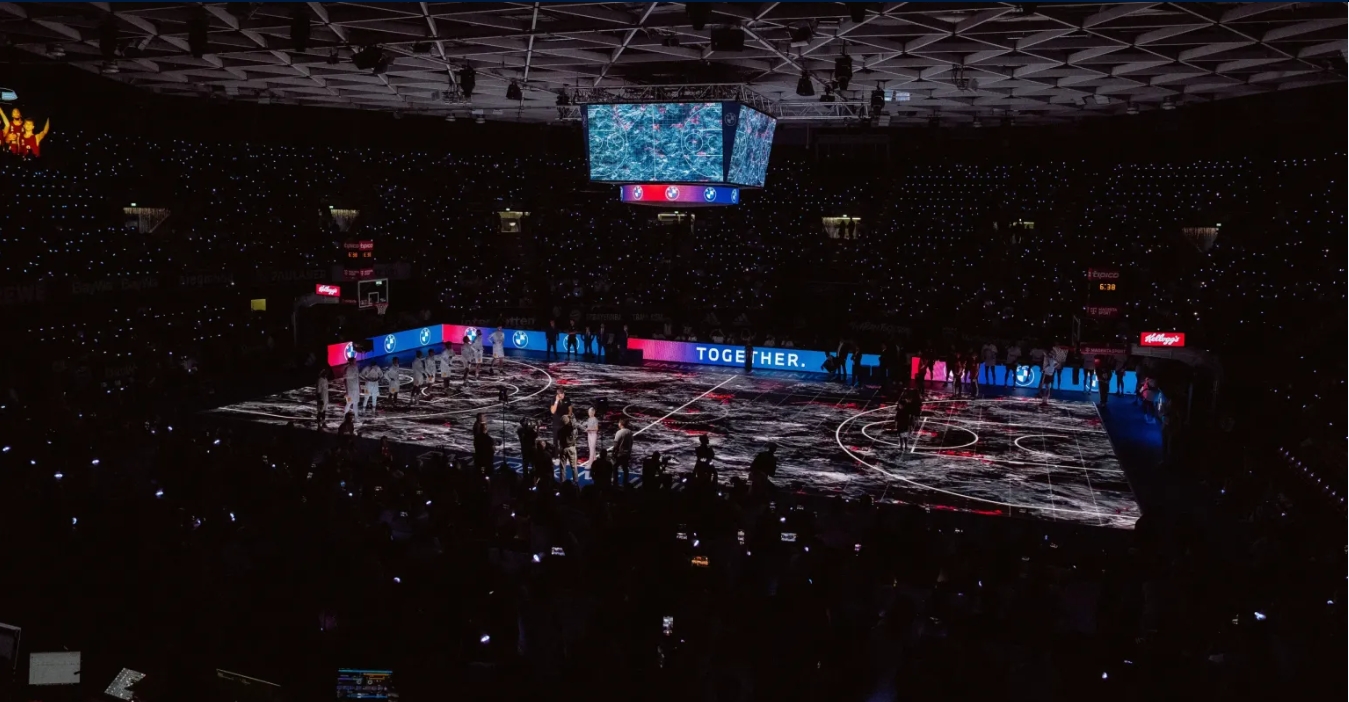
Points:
(1047, 62)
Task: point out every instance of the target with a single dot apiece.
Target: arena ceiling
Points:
(1037, 62)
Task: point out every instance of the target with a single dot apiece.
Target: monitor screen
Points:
(60, 668)
(656, 142)
(750, 148)
(361, 684)
(120, 687)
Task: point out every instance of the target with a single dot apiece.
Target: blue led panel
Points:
(659, 142)
(749, 153)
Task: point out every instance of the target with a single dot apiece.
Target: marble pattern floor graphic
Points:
(1004, 454)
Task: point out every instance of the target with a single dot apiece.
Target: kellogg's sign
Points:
(1173, 340)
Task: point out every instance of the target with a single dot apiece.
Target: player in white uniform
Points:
(498, 349)
(418, 378)
(352, 377)
(371, 375)
(323, 397)
(391, 377)
(477, 354)
(444, 359)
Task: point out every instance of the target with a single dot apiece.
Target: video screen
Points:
(120, 687)
(658, 142)
(59, 668)
(750, 149)
(360, 684)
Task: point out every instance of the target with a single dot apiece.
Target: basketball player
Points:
(322, 416)
(446, 359)
(353, 380)
(13, 131)
(30, 144)
(418, 378)
(371, 375)
(391, 377)
(466, 354)
(498, 350)
(477, 355)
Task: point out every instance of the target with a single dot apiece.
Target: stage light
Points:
(56, 51)
(801, 36)
(480, 120)
(857, 11)
(828, 94)
(698, 13)
(299, 28)
(371, 58)
(107, 38)
(877, 101)
(110, 68)
(843, 71)
(1168, 104)
(977, 123)
(1131, 110)
(513, 92)
(468, 80)
(804, 88)
(197, 27)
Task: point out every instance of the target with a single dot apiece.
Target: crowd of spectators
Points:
(150, 539)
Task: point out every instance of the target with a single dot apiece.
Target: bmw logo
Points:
(520, 339)
(710, 194)
(637, 192)
(735, 196)
(350, 351)
(424, 337)
(730, 118)
(1025, 376)
(472, 333)
(672, 193)
(390, 343)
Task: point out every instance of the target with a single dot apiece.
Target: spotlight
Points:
(480, 120)
(843, 71)
(801, 36)
(857, 11)
(803, 86)
(1131, 110)
(977, 124)
(56, 51)
(877, 100)
(371, 58)
(468, 80)
(698, 13)
(1168, 104)
(197, 26)
(299, 28)
(107, 37)
(449, 118)
(110, 67)
(513, 92)
(1027, 8)
(828, 94)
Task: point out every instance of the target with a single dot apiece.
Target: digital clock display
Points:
(1105, 287)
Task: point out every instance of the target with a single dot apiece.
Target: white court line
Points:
(686, 404)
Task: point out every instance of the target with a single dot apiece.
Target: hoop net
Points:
(344, 218)
(381, 308)
(147, 218)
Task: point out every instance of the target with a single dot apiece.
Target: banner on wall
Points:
(1028, 377)
(803, 360)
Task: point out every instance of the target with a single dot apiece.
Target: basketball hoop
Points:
(381, 308)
